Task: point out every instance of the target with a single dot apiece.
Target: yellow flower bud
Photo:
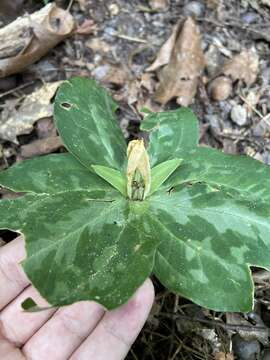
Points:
(138, 171)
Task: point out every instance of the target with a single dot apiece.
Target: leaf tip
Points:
(28, 304)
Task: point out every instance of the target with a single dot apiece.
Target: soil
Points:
(122, 39)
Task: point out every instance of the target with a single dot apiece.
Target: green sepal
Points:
(114, 177)
(161, 172)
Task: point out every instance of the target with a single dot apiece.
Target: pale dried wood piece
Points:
(28, 38)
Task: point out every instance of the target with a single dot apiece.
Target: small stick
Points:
(130, 38)
(16, 88)
(263, 118)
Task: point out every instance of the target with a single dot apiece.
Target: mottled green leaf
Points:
(51, 174)
(114, 177)
(171, 134)
(249, 177)
(92, 250)
(84, 116)
(210, 239)
(161, 172)
(201, 228)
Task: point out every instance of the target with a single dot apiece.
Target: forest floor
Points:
(115, 42)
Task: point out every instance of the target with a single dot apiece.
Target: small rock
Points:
(212, 58)
(261, 129)
(220, 88)
(245, 350)
(100, 71)
(239, 115)
(214, 121)
(194, 8)
(250, 17)
(265, 75)
(114, 9)
(159, 4)
(45, 128)
(110, 31)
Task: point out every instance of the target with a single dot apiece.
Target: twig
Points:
(216, 323)
(15, 89)
(175, 308)
(263, 118)
(130, 38)
(69, 5)
(262, 34)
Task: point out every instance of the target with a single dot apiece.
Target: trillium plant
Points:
(98, 220)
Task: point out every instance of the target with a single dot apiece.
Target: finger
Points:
(118, 329)
(64, 332)
(18, 326)
(9, 352)
(12, 278)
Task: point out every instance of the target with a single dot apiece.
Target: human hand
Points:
(76, 332)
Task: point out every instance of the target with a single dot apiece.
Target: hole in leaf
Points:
(66, 105)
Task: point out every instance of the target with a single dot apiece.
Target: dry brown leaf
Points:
(222, 356)
(133, 91)
(254, 332)
(41, 147)
(165, 52)
(86, 28)
(113, 74)
(213, 4)
(28, 38)
(20, 119)
(147, 82)
(243, 66)
(181, 76)
(147, 103)
(98, 45)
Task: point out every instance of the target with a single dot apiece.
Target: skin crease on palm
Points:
(78, 332)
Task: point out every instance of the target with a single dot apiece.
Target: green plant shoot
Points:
(101, 218)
